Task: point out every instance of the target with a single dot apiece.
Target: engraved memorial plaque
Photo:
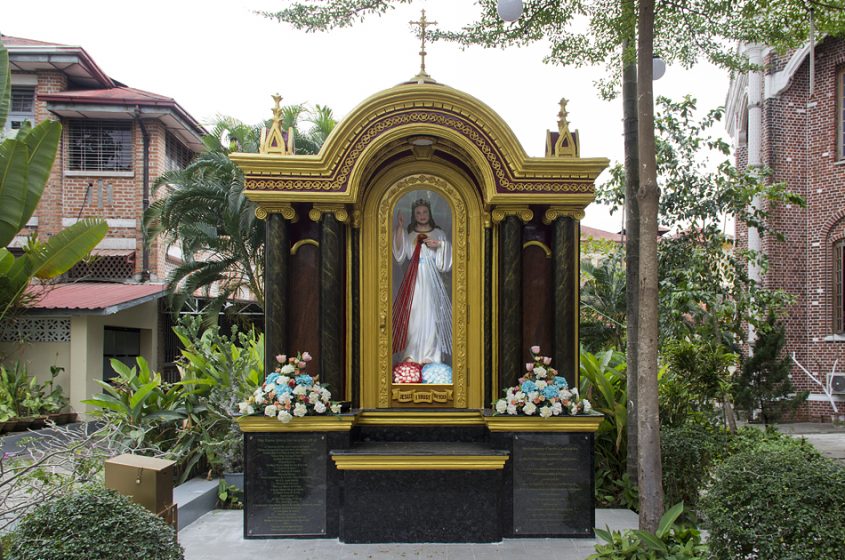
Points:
(552, 490)
(286, 485)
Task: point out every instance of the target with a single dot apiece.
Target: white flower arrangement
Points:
(542, 392)
(290, 392)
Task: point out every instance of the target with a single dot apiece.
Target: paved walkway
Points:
(829, 439)
(219, 534)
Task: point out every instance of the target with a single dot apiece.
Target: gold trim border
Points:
(350, 462)
(301, 243)
(420, 418)
(329, 423)
(537, 424)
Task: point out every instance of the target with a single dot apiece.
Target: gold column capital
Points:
(356, 218)
(554, 212)
(286, 210)
(339, 211)
(524, 213)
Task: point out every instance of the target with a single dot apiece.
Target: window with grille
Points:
(21, 109)
(839, 287)
(100, 146)
(176, 155)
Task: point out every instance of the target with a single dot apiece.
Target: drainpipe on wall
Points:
(755, 153)
(145, 196)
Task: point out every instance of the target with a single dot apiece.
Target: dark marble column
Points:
(566, 233)
(356, 317)
(331, 303)
(510, 301)
(276, 256)
(489, 397)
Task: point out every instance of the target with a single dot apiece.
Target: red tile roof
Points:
(122, 94)
(595, 233)
(90, 296)
(22, 42)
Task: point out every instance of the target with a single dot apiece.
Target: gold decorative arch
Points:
(507, 174)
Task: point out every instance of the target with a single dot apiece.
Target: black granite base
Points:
(549, 484)
(421, 506)
(290, 488)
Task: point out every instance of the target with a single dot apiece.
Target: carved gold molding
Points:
(298, 245)
(404, 395)
(359, 461)
(546, 249)
(286, 210)
(537, 424)
(524, 213)
(339, 211)
(555, 212)
(356, 218)
(322, 423)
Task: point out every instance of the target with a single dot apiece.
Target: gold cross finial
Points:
(422, 23)
(277, 110)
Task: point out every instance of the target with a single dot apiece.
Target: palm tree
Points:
(204, 212)
(603, 302)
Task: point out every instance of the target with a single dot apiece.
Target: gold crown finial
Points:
(273, 141)
(565, 143)
(423, 23)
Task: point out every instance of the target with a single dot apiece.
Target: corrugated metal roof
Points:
(91, 296)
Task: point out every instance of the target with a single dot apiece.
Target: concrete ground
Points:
(219, 534)
(829, 439)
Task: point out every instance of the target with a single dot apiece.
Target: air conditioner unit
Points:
(837, 383)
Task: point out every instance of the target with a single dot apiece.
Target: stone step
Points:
(194, 498)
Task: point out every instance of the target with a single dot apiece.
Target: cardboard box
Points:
(145, 480)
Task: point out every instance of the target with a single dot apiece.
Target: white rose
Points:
(285, 417)
(587, 406)
(336, 408)
(259, 397)
(283, 380)
(243, 406)
(529, 408)
(533, 395)
(564, 394)
(501, 406)
(557, 408)
(510, 394)
(325, 394)
(287, 369)
(540, 372)
(519, 396)
(575, 392)
(573, 408)
(541, 385)
(546, 411)
(270, 410)
(313, 397)
(319, 407)
(300, 410)
(299, 390)
(512, 409)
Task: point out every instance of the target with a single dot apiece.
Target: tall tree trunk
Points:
(632, 227)
(648, 421)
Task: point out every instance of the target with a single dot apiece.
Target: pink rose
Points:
(535, 350)
(292, 360)
(306, 357)
(529, 366)
(281, 358)
(301, 365)
(547, 360)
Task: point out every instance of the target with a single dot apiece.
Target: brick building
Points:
(790, 117)
(116, 141)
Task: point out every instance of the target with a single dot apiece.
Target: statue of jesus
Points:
(422, 310)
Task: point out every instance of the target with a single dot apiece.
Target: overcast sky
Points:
(218, 57)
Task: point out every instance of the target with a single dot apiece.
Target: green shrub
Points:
(93, 524)
(688, 453)
(673, 540)
(776, 500)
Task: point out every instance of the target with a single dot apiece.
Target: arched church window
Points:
(839, 287)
